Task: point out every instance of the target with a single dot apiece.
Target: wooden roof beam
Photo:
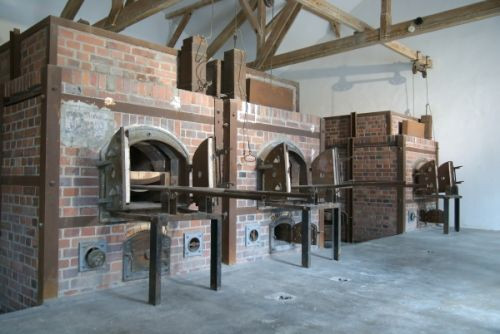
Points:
(385, 17)
(335, 25)
(71, 9)
(135, 12)
(180, 28)
(329, 12)
(228, 31)
(116, 7)
(272, 23)
(285, 20)
(190, 9)
(245, 6)
(261, 18)
(446, 19)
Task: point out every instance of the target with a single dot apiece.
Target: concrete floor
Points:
(420, 282)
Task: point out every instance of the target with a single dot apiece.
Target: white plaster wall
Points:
(464, 92)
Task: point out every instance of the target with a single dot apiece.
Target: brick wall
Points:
(247, 173)
(79, 196)
(34, 52)
(19, 204)
(426, 151)
(336, 128)
(99, 67)
(376, 158)
(102, 67)
(18, 248)
(4, 65)
(21, 138)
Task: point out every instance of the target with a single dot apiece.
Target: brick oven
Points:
(89, 116)
(377, 147)
(75, 98)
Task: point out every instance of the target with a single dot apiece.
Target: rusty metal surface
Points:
(204, 170)
(49, 185)
(447, 178)
(432, 216)
(269, 94)
(426, 179)
(275, 168)
(136, 256)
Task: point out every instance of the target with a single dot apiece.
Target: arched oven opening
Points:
(281, 234)
(155, 163)
(140, 155)
(281, 165)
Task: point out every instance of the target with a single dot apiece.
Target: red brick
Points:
(89, 39)
(88, 231)
(71, 232)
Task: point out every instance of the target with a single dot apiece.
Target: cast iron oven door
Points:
(136, 256)
(426, 179)
(325, 170)
(281, 166)
(140, 155)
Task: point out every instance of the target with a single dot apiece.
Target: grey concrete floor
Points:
(420, 282)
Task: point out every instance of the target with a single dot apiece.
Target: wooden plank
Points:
(229, 233)
(264, 93)
(413, 128)
(135, 12)
(190, 8)
(234, 72)
(178, 31)
(137, 109)
(15, 53)
(228, 31)
(48, 251)
(274, 40)
(450, 18)
(71, 9)
(427, 121)
(272, 23)
(141, 177)
(245, 6)
(385, 17)
(331, 13)
(280, 129)
(116, 7)
(214, 76)
(335, 25)
(261, 18)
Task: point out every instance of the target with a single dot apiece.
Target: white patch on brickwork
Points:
(85, 125)
(175, 102)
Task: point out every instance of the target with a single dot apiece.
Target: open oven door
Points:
(275, 170)
(325, 170)
(114, 172)
(204, 171)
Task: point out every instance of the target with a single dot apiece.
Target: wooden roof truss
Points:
(270, 34)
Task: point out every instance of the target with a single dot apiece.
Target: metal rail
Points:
(224, 192)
